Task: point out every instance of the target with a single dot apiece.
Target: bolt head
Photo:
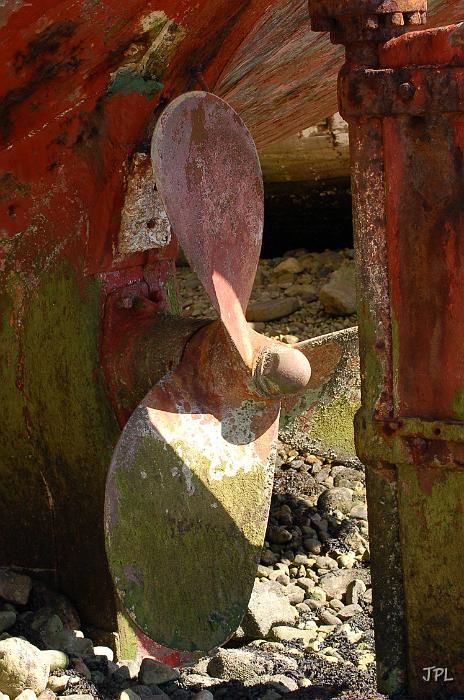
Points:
(406, 91)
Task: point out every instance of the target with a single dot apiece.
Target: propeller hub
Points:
(279, 371)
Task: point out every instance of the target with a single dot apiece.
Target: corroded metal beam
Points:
(403, 98)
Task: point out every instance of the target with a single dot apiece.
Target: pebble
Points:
(15, 588)
(272, 309)
(203, 695)
(355, 591)
(312, 545)
(55, 659)
(307, 584)
(289, 265)
(155, 672)
(336, 583)
(291, 634)
(326, 563)
(7, 620)
(58, 683)
(328, 618)
(336, 498)
(81, 668)
(104, 651)
(278, 535)
(239, 664)
(359, 512)
(317, 593)
(27, 694)
(268, 606)
(346, 561)
(284, 683)
(349, 611)
(295, 594)
(338, 296)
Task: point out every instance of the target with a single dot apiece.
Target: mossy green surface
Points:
(183, 548)
(57, 436)
(431, 504)
(332, 424)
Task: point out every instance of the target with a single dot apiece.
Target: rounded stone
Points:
(22, 666)
(203, 695)
(27, 694)
(58, 683)
(7, 620)
(56, 659)
(155, 673)
(336, 498)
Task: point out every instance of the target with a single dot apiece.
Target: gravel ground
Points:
(271, 284)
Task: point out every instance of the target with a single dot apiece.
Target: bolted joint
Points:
(376, 21)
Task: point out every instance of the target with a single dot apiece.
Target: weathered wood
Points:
(318, 153)
(283, 77)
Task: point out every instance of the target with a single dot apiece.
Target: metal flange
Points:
(353, 21)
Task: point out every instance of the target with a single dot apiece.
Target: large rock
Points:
(268, 606)
(338, 296)
(239, 664)
(14, 588)
(22, 666)
(271, 309)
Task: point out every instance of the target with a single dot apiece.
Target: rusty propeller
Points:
(189, 487)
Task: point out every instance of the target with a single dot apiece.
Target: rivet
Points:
(413, 18)
(372, 22)
(406, 91)
(126, 302)
(397, 19)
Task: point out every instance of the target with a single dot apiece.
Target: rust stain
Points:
(47, 42)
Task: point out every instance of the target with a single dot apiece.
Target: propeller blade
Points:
(321, 418)
(209, 177)
(187, 498)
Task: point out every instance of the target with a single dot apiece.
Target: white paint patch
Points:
(188, 475)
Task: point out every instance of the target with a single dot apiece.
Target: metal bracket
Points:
(394, 91)
(371, 21)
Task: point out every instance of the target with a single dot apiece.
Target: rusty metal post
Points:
(403, 96)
